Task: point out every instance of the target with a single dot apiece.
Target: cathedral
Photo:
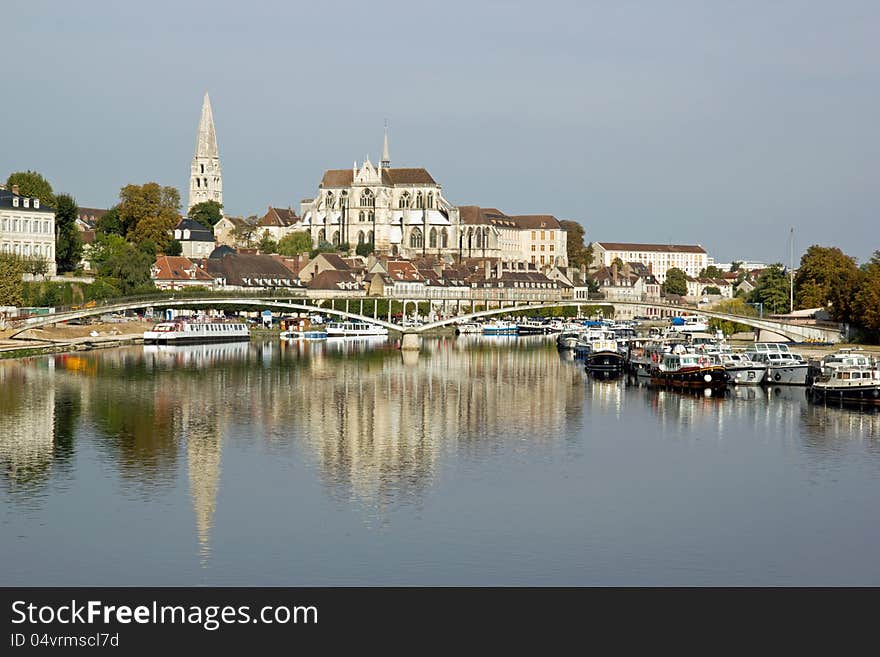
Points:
(400, 211)
(205, 181)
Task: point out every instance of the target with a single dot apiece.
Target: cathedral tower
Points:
(205, 181)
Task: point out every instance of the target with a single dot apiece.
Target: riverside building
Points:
(27, 228)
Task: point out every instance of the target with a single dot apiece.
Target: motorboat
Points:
(196, 331)
(848, 384)
(689, 370)
(846, 357)
(499, 327)
(533, 327)
(467, 328)
(354, 329)
(783, 367)
(567, 340)
(741, 370)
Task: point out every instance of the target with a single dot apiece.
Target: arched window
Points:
(198, 183)
(404, 201)
(367, 199)
(361, 237)
(371, 216)
(416, 239)
(370, 237)
(478, 242)
(361, 216)
(331, 201)
(205, 181)
(420, 202)
(202, 168)
(485, 238)
(336, 238)
(322, 236)
(343, 200)
(430, 200)
(432, 238)
(444, 239)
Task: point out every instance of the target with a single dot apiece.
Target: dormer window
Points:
(27, 202)
(36, 204)
(15, 201)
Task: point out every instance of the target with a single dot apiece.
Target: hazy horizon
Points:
(723, 124)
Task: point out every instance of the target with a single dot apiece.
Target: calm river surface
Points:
(485, 461)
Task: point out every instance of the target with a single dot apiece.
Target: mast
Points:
(791, 271)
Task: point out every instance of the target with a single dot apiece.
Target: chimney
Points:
(15, 190)
(614, 274)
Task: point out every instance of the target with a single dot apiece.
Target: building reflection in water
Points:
(376, 426)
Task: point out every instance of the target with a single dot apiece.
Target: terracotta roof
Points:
(532, 221)
(278, 217)
(90, 215)
(403, 270)
(476, 216)
(334, 280)
(294, 264)
(658, 248)
(345, 177)
(87, 236)
(177, 268)
(235, 221)
(334, 261)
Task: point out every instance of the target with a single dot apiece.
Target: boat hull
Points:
(697, 378)
(604, 361)
(195, 339)
(746, 376)
(863, 395)
(304, 335)
(787, 375)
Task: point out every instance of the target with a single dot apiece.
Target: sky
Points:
(719, 123)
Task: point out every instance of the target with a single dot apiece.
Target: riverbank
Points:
(62, 338)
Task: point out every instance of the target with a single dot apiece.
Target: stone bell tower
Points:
(205, 181)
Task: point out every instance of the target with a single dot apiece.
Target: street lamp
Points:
(760, 306)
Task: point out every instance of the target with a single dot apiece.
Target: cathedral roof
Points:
(475, 215)
(531, 221)
(391, 177)
(206, 146)
(279, 217)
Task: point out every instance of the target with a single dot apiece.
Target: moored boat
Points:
(850, 384)
(692, 371)
(499, 327)
(354, 329)
(467, 328)
(783, 367)
(741, 370)
(567, 339)
(196, 331)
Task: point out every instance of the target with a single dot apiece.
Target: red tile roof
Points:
(178, 268)
(657, 248)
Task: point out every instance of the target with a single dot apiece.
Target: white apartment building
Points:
(26, 228)
(536, 239)
(659, 258)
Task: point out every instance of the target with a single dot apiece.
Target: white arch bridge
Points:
(789, 330)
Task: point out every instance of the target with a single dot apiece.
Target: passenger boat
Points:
(468, 328)
(354, 329)
(692, 371)
(196, 331)
(533, 327)
(783, 367)
(499, 327)
(850, 384)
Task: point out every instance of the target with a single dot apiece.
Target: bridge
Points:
(789, 330)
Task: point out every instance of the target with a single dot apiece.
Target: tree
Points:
(732, 307)
(867, 298)
(295, 243)
(578, 254)
(68, 243)
(244, 233)
(36, 267)
(12, 268)
(111, 223)
(267, 244)
(174, 248)
(617, 262)
(736, 265)
(676, 282)
(32, 184)
(827, 276)
(149, 212)
(711, 290)
(772, 290)
(206, 213)
(364, 249)
(711, 272)
(126, 266)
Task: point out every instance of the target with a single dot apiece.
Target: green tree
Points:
(111, 223)
(364, 249)
(267, 244)
(295, 243)
(68, 243)
(174, 248)
(732, 307)
(149, 212)
(206, 213)
(867, 297)
(711, 290)
(126, 266)
(12, 268)
(772, 289)
(578, 254)
(676, 282)
(736, 265)
(827, 277)
(36, 267)
(711, 272)
(32, 184)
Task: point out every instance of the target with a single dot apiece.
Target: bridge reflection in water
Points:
(378, 431)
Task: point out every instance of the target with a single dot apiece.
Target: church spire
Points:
(386, 159)
(206, 182)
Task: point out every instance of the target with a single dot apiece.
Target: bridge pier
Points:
(410, 341)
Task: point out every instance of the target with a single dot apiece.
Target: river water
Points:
(485, 461)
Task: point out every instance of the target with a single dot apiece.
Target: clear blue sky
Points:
(722, 123)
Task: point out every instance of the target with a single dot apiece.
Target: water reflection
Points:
(376, 426)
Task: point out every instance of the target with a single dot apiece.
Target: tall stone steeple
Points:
(386, 159)
(206, 181)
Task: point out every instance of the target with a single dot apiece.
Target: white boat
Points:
(304, 334)
(847, 357)
(741, 370)
(354, 329)
(468, 328)
(783, 367)
(848, 384)
(196, 331)
(690, 324)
